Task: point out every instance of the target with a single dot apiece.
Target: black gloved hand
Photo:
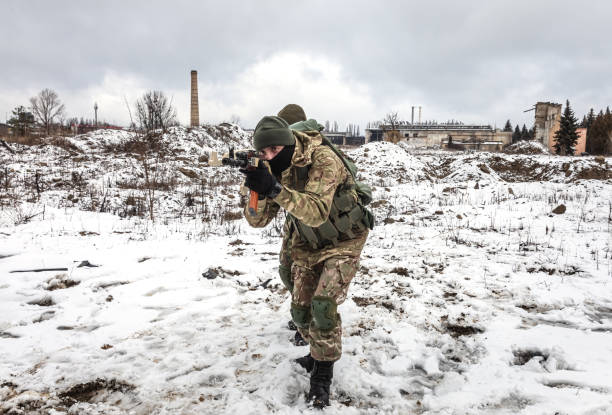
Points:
(261, 181)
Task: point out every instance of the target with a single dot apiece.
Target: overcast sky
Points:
(350, 61)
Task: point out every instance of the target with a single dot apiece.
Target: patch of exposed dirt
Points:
(45, 301)
(527, 169)
(401, 271)
(484, 168)
(18, 402)
(229, 216)
(561, 384)
(525, 147)
(60, 282)
(364, 301)
(110, 284)
(89, 391)
(559, 210)
(522, 356)
(237, 252)
(213, 273)
(517, 170)
(378, 203)
(543, 268)
(239, 242)
(456, 330)
(377, 301)
(441, 170)
(594, 173)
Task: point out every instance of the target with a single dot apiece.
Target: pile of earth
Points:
(557, 170)
(526, 147)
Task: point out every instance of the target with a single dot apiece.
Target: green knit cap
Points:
(272, 131)
(292, 113)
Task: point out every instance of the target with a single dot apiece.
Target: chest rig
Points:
(346, 216)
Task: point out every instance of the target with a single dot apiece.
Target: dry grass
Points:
(27, 140)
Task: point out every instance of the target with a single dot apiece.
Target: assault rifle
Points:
(245, 159)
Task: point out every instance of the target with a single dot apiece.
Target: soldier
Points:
(328, 229)
(291, 113)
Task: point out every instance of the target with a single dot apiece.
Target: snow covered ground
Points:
(473, 297)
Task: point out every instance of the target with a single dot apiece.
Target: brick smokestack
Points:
(195, 111)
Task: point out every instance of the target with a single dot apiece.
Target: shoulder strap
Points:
(302, 172)
(350, 166)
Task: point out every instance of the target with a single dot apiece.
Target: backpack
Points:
(364, 191)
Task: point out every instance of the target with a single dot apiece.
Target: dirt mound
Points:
(558, 170)
(15, 400)
(517, 169)
(526, 147)
(178, 140)
(386, 164)
(93, 391)
(595, 172)
(463, 169)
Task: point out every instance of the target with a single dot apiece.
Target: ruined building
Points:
(547, 119)
(476, 137)
(548, 122)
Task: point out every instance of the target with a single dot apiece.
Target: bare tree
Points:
(46, 106)
(392, 120)
(155, 111)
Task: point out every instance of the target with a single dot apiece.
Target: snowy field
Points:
(473, 297)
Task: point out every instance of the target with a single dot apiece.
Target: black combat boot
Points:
(320, 381)
(291, 325)
(298, 340)
(307, 362)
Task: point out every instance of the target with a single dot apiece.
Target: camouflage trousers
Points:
(329, 279)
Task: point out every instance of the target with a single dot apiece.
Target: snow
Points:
(472, 296)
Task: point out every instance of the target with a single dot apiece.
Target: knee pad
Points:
(285, 276)
(300, 315)
(324, 312)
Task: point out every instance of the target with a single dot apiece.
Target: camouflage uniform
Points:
(321, 276)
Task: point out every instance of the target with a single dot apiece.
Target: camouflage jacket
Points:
(311, 205)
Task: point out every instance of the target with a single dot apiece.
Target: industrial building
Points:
(342, 138)
(459, 136)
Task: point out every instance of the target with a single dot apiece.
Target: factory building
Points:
(458, 136)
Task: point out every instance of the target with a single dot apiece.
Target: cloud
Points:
(353, 61)
(111, 95)
(317, 83)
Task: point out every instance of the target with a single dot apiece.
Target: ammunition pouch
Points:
(346, 217)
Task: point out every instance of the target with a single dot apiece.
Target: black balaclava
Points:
(282, 161)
